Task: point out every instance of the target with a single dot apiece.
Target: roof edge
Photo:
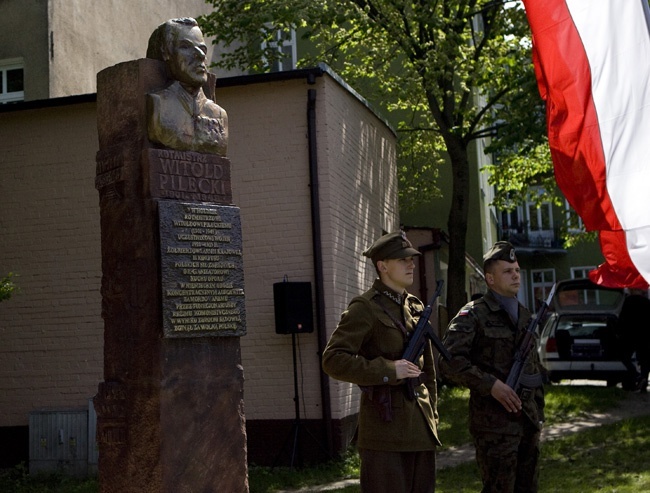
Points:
(306, 73)
(48, 103)
(240, 80)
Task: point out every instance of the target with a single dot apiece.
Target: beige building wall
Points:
(51, 343)
(271, 185)
(268, 150)
(65, 43)
(362, 205)
(24, 39)
(51, 331)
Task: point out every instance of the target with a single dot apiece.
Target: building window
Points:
(514, 226)
(581, 272)
(540, 223)
(285, 44)
(530, 224)
(573, 220)
(12, 84)
(543, 280)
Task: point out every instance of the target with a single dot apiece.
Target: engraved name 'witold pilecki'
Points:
(181, 116)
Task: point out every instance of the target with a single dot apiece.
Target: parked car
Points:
(581, 337)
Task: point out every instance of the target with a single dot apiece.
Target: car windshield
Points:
(592, 327)
(588, 300)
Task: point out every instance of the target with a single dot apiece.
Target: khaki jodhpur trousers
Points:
(397, 472)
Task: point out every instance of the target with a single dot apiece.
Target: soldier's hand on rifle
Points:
(405, 369)
(506, 396)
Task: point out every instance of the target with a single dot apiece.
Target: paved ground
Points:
(635, 405)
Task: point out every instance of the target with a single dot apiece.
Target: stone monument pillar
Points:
(170, 411)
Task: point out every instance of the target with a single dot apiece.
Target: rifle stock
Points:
(417, 342)
(523, 351)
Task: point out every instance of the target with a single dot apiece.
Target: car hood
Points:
(573, 296)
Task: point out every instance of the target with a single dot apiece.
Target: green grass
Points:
(18, 480)
(563, 403)
(611, 458)
(607, 459)
(453, 412)
(266, 479)
(566, 402)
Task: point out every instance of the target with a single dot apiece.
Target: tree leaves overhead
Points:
(424, 56)
(426, 60)
(449, 71)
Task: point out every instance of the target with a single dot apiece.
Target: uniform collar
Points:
(392, 295)
(499, 302)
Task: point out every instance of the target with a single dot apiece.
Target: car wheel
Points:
(629, 384)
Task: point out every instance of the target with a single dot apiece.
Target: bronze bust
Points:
(181, 116)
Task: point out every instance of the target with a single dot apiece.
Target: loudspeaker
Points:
(293, 309)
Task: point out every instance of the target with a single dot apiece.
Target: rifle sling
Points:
(410, 381)
(399, 324)
(531, 381)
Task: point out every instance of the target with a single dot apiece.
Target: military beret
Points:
(391, 246)
(501, 250)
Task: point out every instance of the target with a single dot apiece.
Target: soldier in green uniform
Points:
(483, 339)
(397, 437)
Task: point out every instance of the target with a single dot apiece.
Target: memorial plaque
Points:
(202, 270)
(188, 176)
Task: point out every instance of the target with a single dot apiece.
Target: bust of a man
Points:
(181, 116)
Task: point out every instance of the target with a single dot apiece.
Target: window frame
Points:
(5, 66)
(280, 43)
(541, 282)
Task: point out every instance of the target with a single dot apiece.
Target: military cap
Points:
(501, 250)
(391, 246)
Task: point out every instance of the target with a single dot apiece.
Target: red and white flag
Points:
(592, 61)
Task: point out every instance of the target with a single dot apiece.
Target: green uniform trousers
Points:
(508, 463)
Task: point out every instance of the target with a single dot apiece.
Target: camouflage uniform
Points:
(483, 340)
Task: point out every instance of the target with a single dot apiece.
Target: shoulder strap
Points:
(399, 324)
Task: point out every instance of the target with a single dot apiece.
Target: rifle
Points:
(418, 340)
(514, 377)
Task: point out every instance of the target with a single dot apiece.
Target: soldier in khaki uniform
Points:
(397, 437)
(483, 339)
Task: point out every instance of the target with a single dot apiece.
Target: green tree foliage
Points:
(451, 71)
(7, 287)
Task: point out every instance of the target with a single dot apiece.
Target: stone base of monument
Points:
(170, 411)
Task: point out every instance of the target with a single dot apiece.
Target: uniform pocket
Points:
(498, 346)
(498, 332)
(390, 339)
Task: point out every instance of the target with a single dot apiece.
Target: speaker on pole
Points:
(293, 307)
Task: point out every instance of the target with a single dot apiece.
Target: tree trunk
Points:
(457, 225)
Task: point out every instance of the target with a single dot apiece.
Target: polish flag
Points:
(592, 61)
